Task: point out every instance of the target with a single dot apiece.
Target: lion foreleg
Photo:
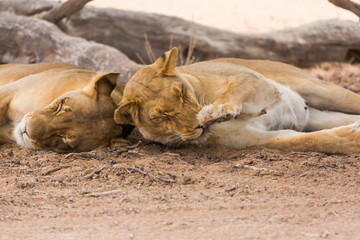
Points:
(237, 99)
(6, 133)
(6, 129)
(226, 106)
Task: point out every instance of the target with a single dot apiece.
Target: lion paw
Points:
(211, 114)
(119, 142)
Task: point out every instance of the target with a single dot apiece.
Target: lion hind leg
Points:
(339, 140)
(327, 96)
(319, 120)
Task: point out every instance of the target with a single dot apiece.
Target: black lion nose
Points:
(24, 132)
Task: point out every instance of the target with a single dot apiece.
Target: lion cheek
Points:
(37, 131)
(151, 137)
(29, 130)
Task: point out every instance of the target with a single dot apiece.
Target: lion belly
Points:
(289, 113)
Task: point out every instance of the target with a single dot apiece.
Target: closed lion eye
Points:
(60, 106)
(160, 116)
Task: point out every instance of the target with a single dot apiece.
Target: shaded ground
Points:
(155, 192)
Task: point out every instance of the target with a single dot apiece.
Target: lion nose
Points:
(24, 131)
(201, 127)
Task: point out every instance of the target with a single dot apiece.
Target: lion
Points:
(240, 103)
(54, 106)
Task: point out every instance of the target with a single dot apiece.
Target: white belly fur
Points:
(290, 113)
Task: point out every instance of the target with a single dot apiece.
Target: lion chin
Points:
(198, 137)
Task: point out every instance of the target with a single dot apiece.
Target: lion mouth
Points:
(205, 134)
(199, 137)
(22, 137)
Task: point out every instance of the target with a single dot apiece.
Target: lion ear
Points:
(103, 83)
(126, 112)
(167, 62)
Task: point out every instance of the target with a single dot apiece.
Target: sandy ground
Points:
(151, 191)
(155, 192)
(192, 193)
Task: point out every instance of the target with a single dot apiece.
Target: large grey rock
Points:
(303, 46)
(30, 40)
(317, 42)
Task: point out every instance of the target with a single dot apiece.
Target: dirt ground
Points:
(150, 191)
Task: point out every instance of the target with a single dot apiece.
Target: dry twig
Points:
(134, 146)
(192, 43)
(171, 154)
(54, 170)
(96, 171)
(152, 177)
(324, 234)
(255, 168)
(122, 200)
(171, 41)
(348, 5)
(98, 194)
(263, 171)
(190, 50)
(81, 154)
(149, 50)
(140, 58)
(65, 10)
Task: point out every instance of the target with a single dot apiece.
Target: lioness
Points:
(56, 106)
(240, 103)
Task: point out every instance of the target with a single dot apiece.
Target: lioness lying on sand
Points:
(240, 103)
(58, 107)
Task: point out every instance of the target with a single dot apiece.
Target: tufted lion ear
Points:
(103, 83)
(126, 112)
(167, 62)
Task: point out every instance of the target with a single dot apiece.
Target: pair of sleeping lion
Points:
(234, 102)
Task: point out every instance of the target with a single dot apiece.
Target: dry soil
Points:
(151, 191)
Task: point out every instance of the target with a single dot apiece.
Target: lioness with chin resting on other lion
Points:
(58, 107)
(240, 103)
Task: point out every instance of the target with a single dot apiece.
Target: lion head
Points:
(161, 103)
(79, 120)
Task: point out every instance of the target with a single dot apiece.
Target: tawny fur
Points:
(57, 106)
(240, 103)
